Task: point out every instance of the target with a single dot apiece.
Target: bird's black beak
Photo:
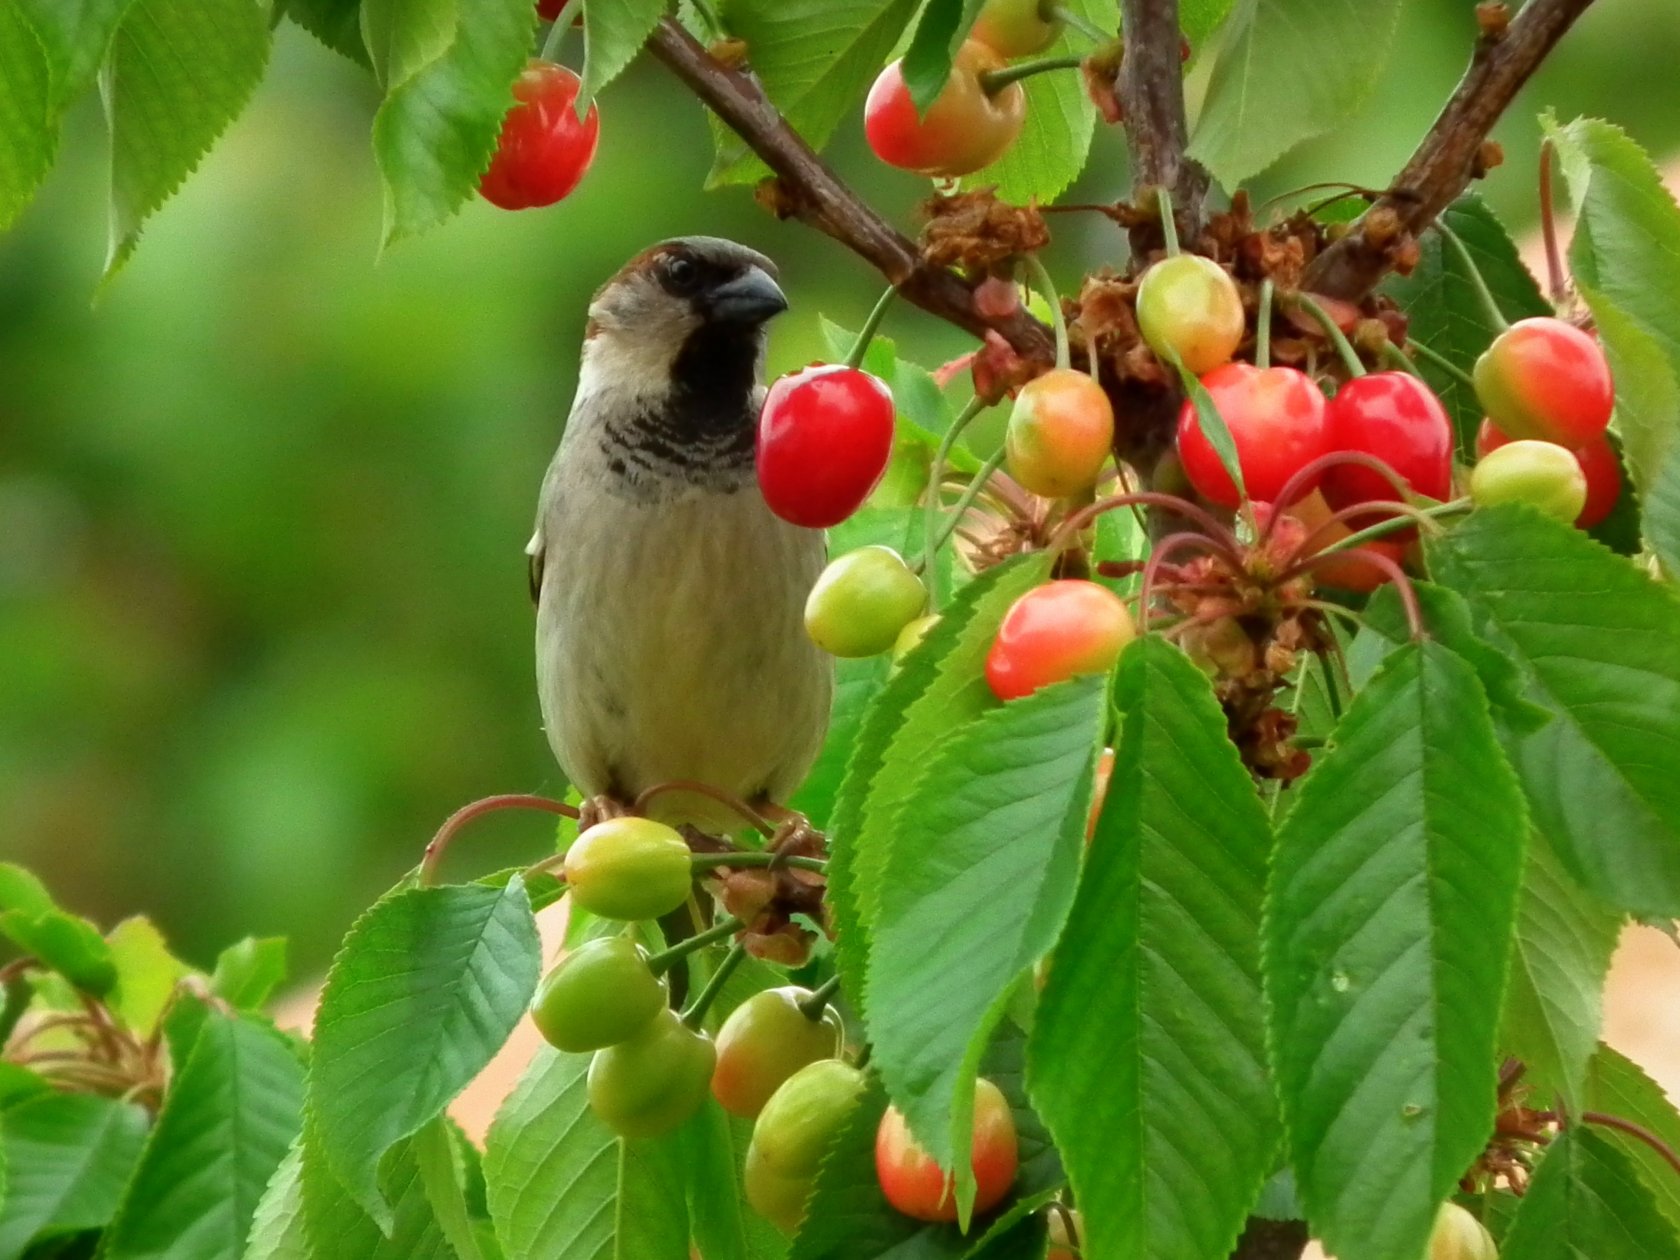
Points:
(750, 298)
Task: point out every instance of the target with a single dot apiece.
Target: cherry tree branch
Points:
(1507, 54)
(812, 193)
(1151, 91)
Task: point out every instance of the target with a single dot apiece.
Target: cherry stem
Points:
(1047, 286)
(812, 1008)
(1484, 295)
(1634, 1130)
(663, 961)
(866, 334)
(1216, 534)
(1395, 574)
(697, 1012)
(1068, 17)
(557, 32)
(1393, 524)
(727, 799)
(1263, 326)
(709, 16)
(705, 861)
(1445, 364)
(1158, 558)
(962, 505)
(1402, 515)
(994, 81)
(930, 516)
(1308, 474)
(1344, 348)
(1169, 226)
(456, 822)
(1396, 357)
(1557, 278)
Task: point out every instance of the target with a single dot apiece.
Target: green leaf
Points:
(229, 1118)
(76, 37)
(335, 1226)
(67, 1157)
(28, 128)
(1599, 645)
(427, 987)
(1051, 149)
(936, 688)
(1390, 909)
(1148, 1055)
(1288, 70)
(1617, 1086)
(1445, 313)
(147, 973)
(22, 890)
(815, 59)
(612, 36)
(940, 30)
(247, 973)
(435, 132)
(1199, 19)
(277, 1227)
(1555, 1004)
(987, 847)
(1211, 423)
(713, 1161)
(1648, 410)
(336, 23)
(442, 1176)
(562, 1184)
(180, 72)
(1587, 1201)
(403, 36)
(69, 945)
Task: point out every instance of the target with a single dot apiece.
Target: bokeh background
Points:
(263, 620)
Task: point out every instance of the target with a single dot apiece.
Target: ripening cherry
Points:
(601, 993)
(544, 149)
(1547, 379)
(915, 1184)
(963, 130)
(1055, 632)
(1344, 570)
(1460, 1236)
(911, 635)
(1397, 418)
(1188, 306)
(825, 437)
(1060, 433)
(765, 1041)
(1016, 28)
(793, 1133)
(862, 602)
(1276, 419)
(655, 1080)
(1541, 474)
(629, 868)
(1599, 465)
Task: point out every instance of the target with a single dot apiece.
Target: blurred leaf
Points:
(562, 1184)
(403, 36)
(1389, 913)
(76, 36)
(1445, 313)
(22, 890)
(68, 1157)
(1054, 142)
(612, 36)
(1554, 1005)
(69, 945)
(986, 846)
(336, 23)
(229, 1118)
(1148, 1056)
(1586, 1200)
(1272, 88)
(277, 1226)
(815, 58)
(427, 987)
(18, 1083)
(940, 31)
(1608, 666)
(146, 973)
(247, 973)
(437, 129)
(1199, 19)
(28, 127)
(1618, 1086)
(180, 72)
(936, 688)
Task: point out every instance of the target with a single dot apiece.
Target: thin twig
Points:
(453, 825)
(1635, 1130)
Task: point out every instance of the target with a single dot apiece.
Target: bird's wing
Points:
(539, 541)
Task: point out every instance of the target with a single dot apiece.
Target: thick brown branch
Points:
(1448, 158)
(1152, 96)
(818, 197)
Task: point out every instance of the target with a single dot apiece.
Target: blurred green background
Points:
(263, 620)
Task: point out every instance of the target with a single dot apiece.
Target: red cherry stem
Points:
(557, 32)
(1041, 277)
(1484, 295)
(1344, 348)
(1394, 573)
(1217, 535)
(812, 1008)
(1263, 326)
(866, 334)
(751, 857)
(723, 929)
(1639, 1131)
(994, 81)
(930, 517)
(1307, 474)
(1441, 361)
(1169, 226)
(456, 823)
(1157, 558)
(1557, 278)
(727, 799)
(694, 1014)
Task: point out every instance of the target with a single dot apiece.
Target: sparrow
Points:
(670, 631)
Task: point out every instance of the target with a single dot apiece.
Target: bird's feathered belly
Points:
(671, 644)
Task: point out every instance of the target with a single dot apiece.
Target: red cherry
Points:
(963, 130)
(916, 1185)
(1344, 570)
(549, 11)
(824, 438)
(1543, 378)
(545, 148)
(1055, 632)
(1397, 418)
(1599, 466)
(1276, 419)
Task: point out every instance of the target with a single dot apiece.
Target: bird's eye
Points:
(682, 272)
